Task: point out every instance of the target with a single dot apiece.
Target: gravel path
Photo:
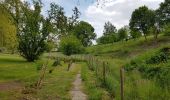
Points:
(76, 92)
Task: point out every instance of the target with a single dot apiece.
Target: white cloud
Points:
(116, 11)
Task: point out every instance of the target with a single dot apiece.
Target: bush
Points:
(56, 63)
(158, 58)
(70, 45)
(49, 46)
(167, 30)
(111, 38)
(2, 49)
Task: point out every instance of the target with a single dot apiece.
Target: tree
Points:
(109, 34)
(73, 20)
(167, 30)
(134, 34)
(164, 12)
(8, 37)
(84, 32)
(122, 33)
(70, 45)
(107, 39)
(142, 20)
(33, 32)
(58, 19)
(109, 28)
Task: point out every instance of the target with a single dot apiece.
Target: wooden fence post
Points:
(122, 83)
(104, 73)
(97, 63)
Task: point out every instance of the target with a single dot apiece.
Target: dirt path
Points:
(76, 92)
(6, 86)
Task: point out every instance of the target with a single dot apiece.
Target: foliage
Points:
(141, 20)
(70, 45)
(167, 30)
(58, 19)
(73, 20)
(122, 34)
(164, 12)
(109, 34)
(109, 28)
(151, 67)
(135, 34)
(85, 33)
(107, 39)
(158, 58)
(57, 62)
(8, 36)
(32, 37)
(49, 46)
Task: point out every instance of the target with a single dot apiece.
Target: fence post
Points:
(122, 83)
(104, 72)
(96, 67)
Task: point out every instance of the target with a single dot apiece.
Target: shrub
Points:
(56, 63)
(2, 49)
(70, 45)
(162, 56)
(167, 30)
(49, 46)
(111, 38)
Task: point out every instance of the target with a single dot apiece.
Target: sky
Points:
(118, 12)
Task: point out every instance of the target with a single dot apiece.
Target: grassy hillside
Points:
(144, 67)
(129, 48)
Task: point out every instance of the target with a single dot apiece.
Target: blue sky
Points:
(118, 12)
(68, 5)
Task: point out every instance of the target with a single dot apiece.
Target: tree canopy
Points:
(109, 28)
(142, 20)
(164, 12)
(70, 45)
(8, 37)
(85, 32)
(122, 33)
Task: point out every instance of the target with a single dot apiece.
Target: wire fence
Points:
(122, 84)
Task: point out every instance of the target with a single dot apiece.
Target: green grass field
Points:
(17, 74)
(121, 53)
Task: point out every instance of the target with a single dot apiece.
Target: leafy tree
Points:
(84, 32)
(107, 39)
(73, 20)
(8, 37)
(122, 33)
(58, 19)
(32, 28)
(164, 12)
(142, 20)
(135, 34)
(167, 30)
(70, 45)
(109, 34)
(109, 28)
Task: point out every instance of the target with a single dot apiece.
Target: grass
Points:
(120, 53)
(92, 86)
(14, 69)
(131, 48)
